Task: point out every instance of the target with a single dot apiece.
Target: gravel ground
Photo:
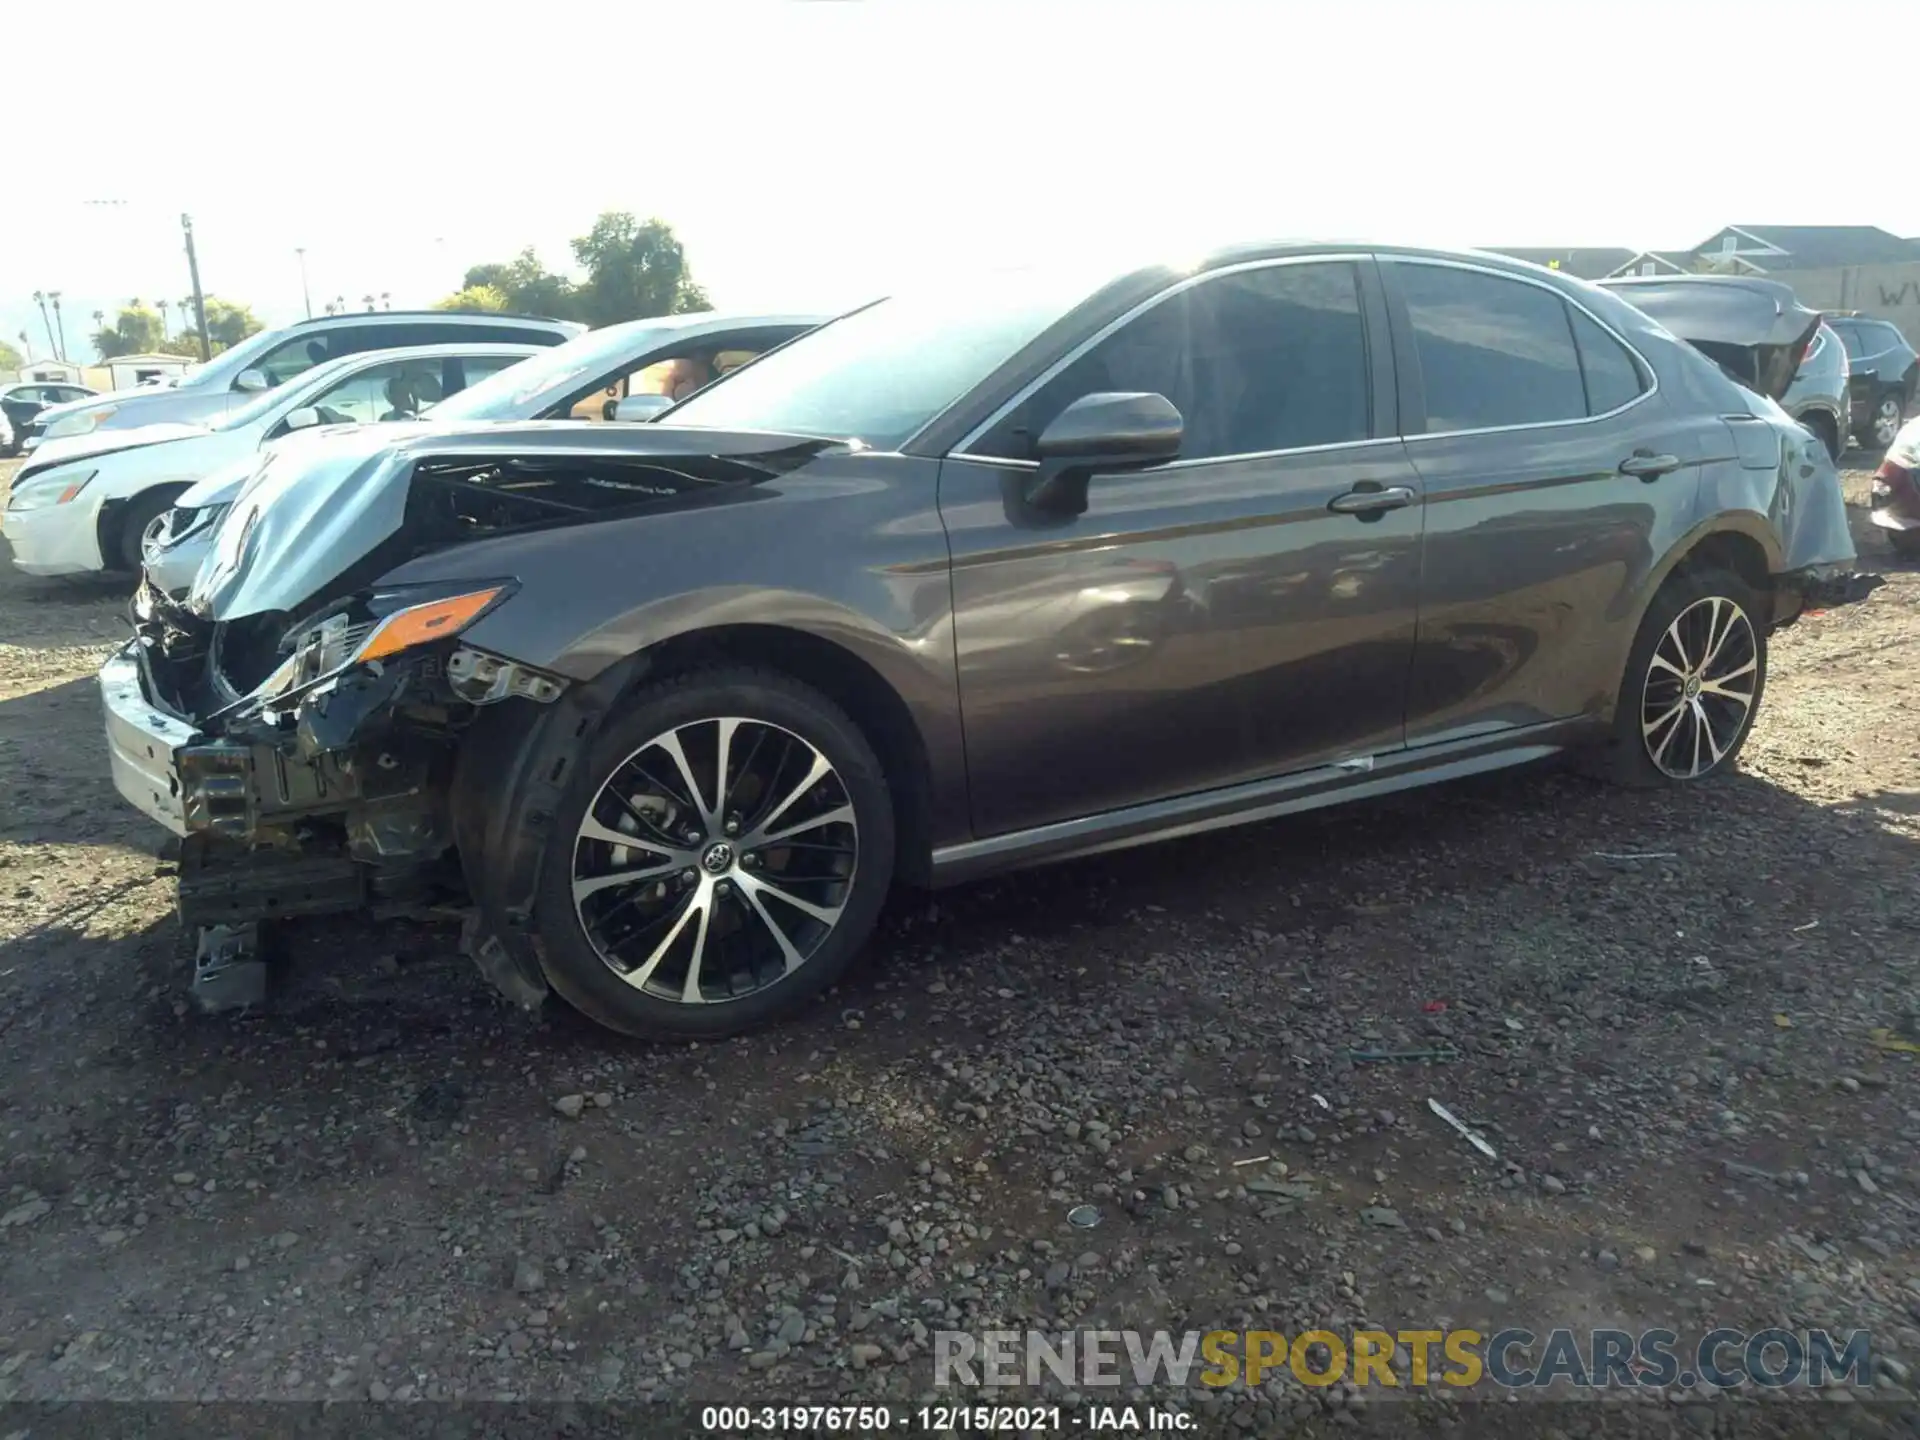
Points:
(393, 1186)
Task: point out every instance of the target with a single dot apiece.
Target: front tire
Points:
(720, 859)
(140, 512)
(1693, 682)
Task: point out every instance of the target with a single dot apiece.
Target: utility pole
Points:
(199, 300)
(59, 320)
(305, 294)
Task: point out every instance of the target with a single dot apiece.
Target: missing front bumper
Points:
(142, 743)
(1824, 587)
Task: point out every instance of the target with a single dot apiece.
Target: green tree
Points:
(485, 298)
(10, 358)
(136, 330)
(635, 269)
(527, 286)
(228, 323)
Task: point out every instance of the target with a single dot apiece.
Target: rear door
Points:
(1212, 620)
(1552, 471)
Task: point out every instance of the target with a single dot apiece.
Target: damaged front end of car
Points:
(302, 717)
(314, 777)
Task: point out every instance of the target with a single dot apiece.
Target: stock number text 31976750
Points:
(873, 1419)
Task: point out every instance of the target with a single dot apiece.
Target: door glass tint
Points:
(1261, 360)
(1613, 375)
(1492, 351)
(397, 390)
(291, 357)
(475, 368)
(1876, 340)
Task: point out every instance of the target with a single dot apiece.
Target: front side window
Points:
(1255, 361)
(296, 356)
(396, 390)
(1493, 351)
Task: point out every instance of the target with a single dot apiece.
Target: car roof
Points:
(696, 323)
(359, 359)
(477, 317)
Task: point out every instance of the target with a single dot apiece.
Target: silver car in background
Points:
(270, 358)
(624, 372)
(1719, 315)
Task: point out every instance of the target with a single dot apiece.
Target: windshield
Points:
(268, 401)
(880, 374)
(522, 391)
(218, 372)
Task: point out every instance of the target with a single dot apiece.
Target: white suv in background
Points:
(273, 357)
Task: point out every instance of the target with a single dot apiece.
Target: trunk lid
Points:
(1756, 329)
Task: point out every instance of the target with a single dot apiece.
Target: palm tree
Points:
(54, 296)
(40, 299)
(367, 300)
(386, 300)
(164, 307)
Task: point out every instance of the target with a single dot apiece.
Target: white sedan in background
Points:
(83, 503)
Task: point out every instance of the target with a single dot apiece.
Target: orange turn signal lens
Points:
(423, 624)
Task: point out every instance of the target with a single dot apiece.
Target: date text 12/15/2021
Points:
(940, 1419)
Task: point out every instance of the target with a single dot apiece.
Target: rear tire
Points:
(1888, 416)
(1693, 682)
(721, 928)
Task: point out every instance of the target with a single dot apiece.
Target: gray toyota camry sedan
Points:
(1020, 568)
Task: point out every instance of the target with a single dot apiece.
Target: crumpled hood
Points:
(311, 511)
(105, 442)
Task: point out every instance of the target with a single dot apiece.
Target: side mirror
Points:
(638, 409)
(253, 380)
(303, 418)
(1111, 430)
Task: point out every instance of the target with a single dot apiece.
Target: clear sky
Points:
(810, 154)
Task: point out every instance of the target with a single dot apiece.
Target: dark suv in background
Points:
(1885, 375)
(21, 404)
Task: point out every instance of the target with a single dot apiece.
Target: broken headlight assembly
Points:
(378, 629)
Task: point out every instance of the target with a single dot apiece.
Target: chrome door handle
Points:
(1361, 501)
(1645, 465)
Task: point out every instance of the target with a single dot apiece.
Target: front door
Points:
(1554, 477)
(1207, 621)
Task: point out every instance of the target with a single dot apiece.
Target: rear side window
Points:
(1492, 351)
(1878, 338)
(1612, 374)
